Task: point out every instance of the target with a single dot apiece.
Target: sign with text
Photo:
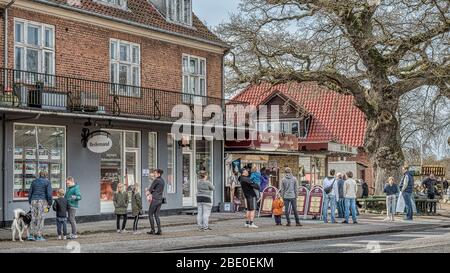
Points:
(302, 199)
(99, 143)
(267, 197)
(315, 201)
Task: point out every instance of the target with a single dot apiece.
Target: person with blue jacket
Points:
(40, 199)
(406, 189)
(255, 177)
(391, 191)
(264, 179)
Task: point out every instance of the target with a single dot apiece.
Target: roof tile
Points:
(335, 117)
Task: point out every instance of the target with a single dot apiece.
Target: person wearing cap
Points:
(289, 192)
(406, 189)
(248, 187)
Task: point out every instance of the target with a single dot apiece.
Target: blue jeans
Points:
(329, 201)
(341, 207)
(350, 203)
(293, 203)
(408, 205)
(61, 222)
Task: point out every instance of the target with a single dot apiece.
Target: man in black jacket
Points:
(156, 191)
(429, 183)
(248, 187)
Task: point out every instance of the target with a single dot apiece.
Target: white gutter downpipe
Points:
(5, 63)
(5, 29)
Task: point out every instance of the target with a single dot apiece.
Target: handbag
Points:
(329, 188)
(164, 199)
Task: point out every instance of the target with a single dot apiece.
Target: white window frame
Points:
(172, 189)
(155, 151)
(64, 159)
(195, 98)
(41, 48)
(129, 89)
(122, 4)
(171, 14)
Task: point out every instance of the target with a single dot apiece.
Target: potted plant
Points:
(8, 98)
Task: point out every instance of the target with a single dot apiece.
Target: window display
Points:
(203, 156)
(120, 164)
(171, 187)
(32, 146)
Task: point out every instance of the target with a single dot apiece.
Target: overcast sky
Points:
(213, 12)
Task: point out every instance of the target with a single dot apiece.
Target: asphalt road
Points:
(429, 241)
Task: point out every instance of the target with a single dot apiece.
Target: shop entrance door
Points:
(188, 179)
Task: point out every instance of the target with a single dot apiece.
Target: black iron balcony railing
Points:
(26, 89)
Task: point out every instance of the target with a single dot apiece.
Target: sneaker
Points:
(136, 233)
(387, 219)
(73, 236)
(124, 231)
(40, 238)
(60, 237)
(31, 238)
(246, 225)
(288, 224)
(151, 232)
(300, 225)
(355, 222)
(253, 226)
(208, 228)
(118, 231)
(65, 238)
(344, 222)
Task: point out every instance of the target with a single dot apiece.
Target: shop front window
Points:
(152, 150)
(121, 164)
(171, 186)
(38, 148)
(203, 156)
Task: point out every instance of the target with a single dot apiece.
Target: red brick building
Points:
(334, 129)
(72, 67)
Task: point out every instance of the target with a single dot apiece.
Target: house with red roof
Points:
(329, 128)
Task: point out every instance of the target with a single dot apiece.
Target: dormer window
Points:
(122, 4)
(179, 11)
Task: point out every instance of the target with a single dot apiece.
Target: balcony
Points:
(37, 91)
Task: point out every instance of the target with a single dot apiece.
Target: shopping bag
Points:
(413, 203)
(400, 204)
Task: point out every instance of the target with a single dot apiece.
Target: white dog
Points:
(21, 223)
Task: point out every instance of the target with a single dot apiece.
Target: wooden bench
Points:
(373, 200)
(423, 204)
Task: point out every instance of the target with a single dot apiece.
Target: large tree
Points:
(373, 50)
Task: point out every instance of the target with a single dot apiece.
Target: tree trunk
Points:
(383, 143)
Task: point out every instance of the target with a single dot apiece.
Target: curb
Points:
(418, 227)
(89, 232)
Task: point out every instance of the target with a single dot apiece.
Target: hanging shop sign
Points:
(267, 197)
(302, 199)
(97, 142)
(315, 201)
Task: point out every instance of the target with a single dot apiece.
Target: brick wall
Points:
(82, 50)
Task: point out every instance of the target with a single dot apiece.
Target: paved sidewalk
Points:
(226, 231)
(110, 226)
